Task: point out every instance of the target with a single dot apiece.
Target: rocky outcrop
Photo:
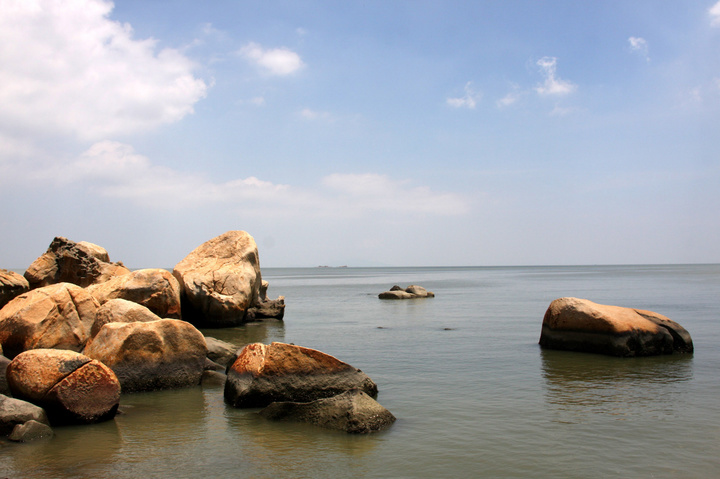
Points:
(156, 289)
(80, 263)
(581, 325)
(57, 316)
(221, 280)
(161, 354)
(11, 285)
(72, 388)
(352, 411)
(411, 292)
(14, 412)
(121, 311)
(263, 374)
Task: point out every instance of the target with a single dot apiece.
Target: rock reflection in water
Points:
(578, 386)
(296, 449)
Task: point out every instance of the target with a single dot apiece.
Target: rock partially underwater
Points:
(581, 325)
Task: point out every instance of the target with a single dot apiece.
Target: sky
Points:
(363, 133)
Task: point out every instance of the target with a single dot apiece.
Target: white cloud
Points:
(715, 15)
(469, 100)
(552, 84)
(66, 68)
(375, 192)
(276, 61)
(310, 114)
(640, 46)
(511, 98)
(111, 169)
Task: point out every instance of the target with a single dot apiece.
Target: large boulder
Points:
(15, 411)
(263, 374)
(220, 280)
(352, 411)
(66, 261)
(411, 292)
(71, 387)
(56, 316)
(156, 289)
(160, 354)
(11, 285)
(121, 311)
(581, 325)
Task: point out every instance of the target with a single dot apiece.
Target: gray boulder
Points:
(221, 352)
(352, 411)
(16, 411)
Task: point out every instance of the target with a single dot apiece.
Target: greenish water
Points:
(473, 393)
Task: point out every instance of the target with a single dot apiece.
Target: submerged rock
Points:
(352, 411)
(80, 263)
(581, 325)
(71, 387)
(31, 431)
(412, 291)
(263, 374)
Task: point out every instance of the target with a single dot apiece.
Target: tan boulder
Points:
(220, 280)
(11, 285)
(581, 325)
(71, 387)
(56, 316)
(121, 311)
(161, 354)
(352, 411)
(156, 289)
(263, 374)
(80, 263)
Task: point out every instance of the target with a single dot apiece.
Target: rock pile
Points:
(411, 292)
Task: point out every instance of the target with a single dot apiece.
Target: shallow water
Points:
(473, 393)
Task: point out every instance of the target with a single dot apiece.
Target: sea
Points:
(473, 393)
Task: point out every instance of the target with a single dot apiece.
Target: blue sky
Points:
(373, 133)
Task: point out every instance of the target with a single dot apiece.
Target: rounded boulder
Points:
(58, 316)
(71, 387)
(278, 372)
(160, 354)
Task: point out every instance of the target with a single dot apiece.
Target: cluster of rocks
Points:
(412, 291)
(77, 329)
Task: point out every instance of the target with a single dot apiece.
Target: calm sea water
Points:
(473, 393)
